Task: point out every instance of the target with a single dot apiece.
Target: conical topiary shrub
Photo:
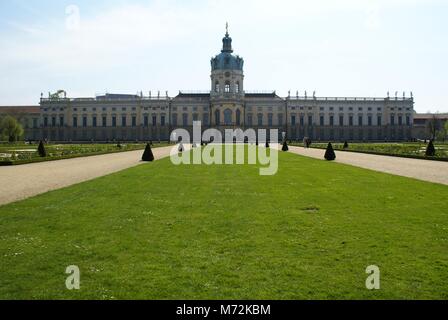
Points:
(345, 145)
(181, 147)
(430, 150)
(41, 150)
(329, 154)
(267, 145)
(285, 147)
(147, 155)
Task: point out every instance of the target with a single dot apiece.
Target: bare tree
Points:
(433, 126)
(443, 133)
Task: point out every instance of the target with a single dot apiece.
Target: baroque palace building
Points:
(226, 106)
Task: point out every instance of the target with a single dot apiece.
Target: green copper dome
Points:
(226, 60)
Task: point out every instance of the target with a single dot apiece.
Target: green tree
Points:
(11, 129)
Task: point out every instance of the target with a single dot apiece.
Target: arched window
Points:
(217, 117)
(227, 87)
(238, 117)
(228, 117)
(237, 87)
(217, 87)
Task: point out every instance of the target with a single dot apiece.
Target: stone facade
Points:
(226, 106)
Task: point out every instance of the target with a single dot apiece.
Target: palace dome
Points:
(226, 60)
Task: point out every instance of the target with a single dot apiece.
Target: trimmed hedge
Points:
(329, 153)
(41, 150)
(430, 150)
(148, 156)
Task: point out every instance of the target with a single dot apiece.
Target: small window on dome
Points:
(237, 87)
(217, 87)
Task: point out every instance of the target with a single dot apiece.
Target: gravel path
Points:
(432, 171)
(24, 181)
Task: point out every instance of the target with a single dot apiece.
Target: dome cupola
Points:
(227, 43)
(226, 60)
(227, 72)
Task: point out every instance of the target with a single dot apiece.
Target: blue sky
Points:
(337, 48)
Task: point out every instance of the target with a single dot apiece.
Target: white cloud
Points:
(118, 32)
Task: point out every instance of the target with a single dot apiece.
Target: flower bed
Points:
(407, 150)
(20, 154)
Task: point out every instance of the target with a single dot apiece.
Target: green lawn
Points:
(159, 231)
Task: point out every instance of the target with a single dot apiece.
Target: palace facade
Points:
(226, 106)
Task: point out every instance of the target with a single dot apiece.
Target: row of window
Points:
(227, 87)
(102, 121)
(400, 120)
(195, 109)
(228, 120)
(380, 109)
(94, 109)
(185, 119)
(227, 90)
(260, 119)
